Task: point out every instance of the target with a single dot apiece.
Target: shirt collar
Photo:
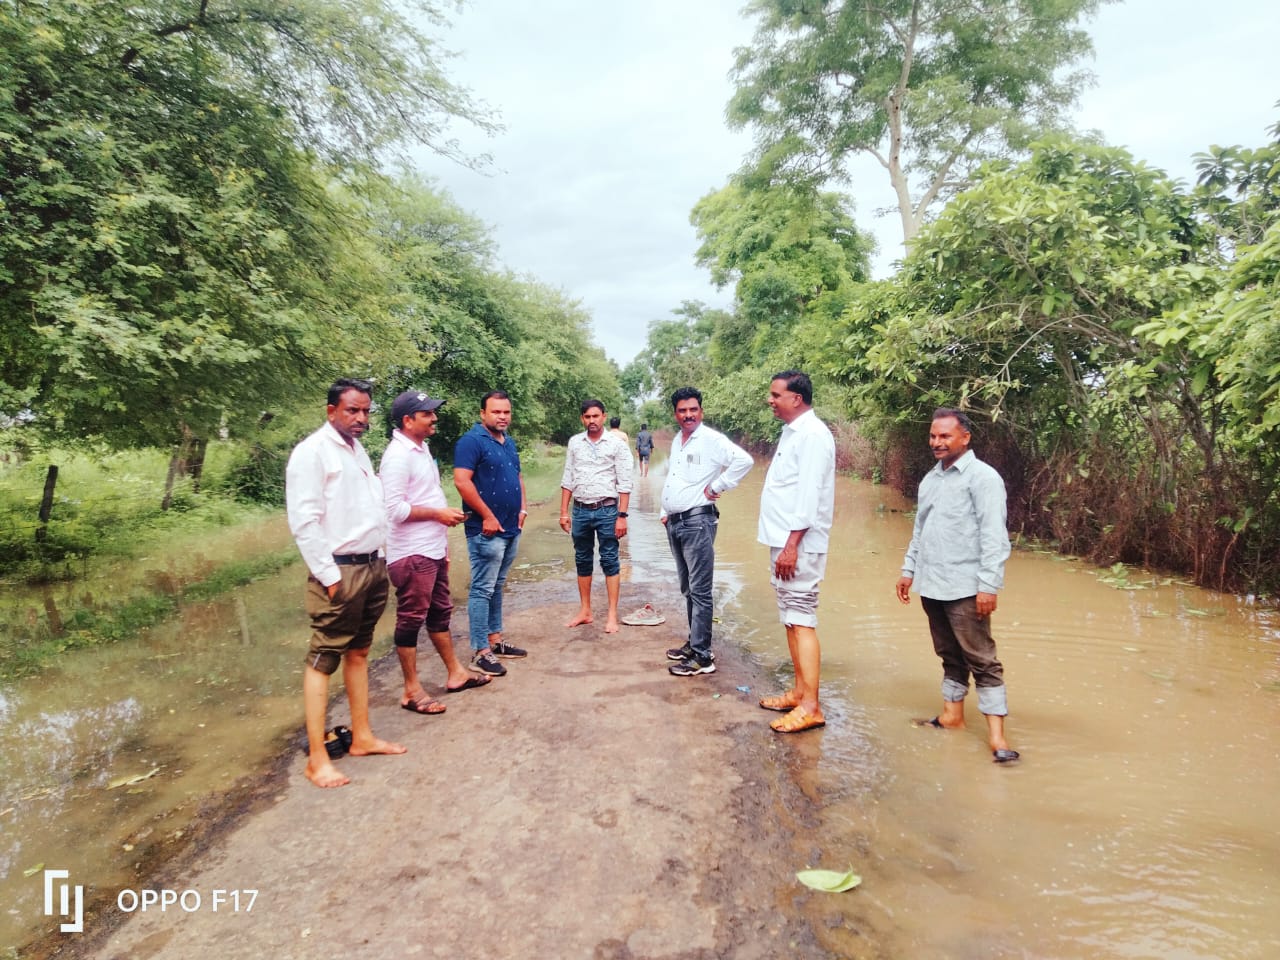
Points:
(407, 441)
(332, 433)
(961, 464)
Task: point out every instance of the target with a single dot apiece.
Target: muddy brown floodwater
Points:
(1140, 822)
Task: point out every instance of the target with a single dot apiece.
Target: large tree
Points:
(178, 241)
(929, 88)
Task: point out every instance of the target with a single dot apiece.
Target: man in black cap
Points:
(418, 548)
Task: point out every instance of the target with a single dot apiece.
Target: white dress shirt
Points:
(334, 502)
(800, 488)
(410, 478)
(707, 458)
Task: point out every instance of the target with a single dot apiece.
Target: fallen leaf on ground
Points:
(828, 881)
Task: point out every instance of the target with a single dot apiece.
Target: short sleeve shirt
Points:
(495, 469)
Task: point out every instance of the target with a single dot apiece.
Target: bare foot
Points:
(326, 775)
(611, 625)
(584, 616)
(376, 746)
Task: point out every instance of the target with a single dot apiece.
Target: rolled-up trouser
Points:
(693, 546)
(798, 597)
(963, 641)
(345, 621)
(590, 524)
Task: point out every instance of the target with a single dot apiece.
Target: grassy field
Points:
(112, 562)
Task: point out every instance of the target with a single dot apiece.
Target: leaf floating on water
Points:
(130, 781)
(828, 881)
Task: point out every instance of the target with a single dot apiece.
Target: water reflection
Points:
(1140, 823)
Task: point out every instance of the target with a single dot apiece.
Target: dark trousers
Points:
(693, 545)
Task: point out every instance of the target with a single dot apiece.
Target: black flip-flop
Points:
(1005, 756)
(929, 723)
(472, 683)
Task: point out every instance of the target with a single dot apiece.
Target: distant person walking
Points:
(597, 479)
(797, 506)
(956, 558)
(334, 504)
(644, 448)
(418, 548)
(704, 464)
(486, 472)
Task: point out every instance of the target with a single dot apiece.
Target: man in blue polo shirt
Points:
(486, 473)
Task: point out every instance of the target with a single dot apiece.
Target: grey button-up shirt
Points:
(960, 541)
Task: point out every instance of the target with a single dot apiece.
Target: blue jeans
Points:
(588, 526)
(693, 545)
(491, 558)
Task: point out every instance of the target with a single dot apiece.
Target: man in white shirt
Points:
(334, 503)
(704, 464)
(418, 548)
(796, 509)
(597, 478)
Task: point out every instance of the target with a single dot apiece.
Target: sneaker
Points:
(488, 663)
(692, 666)
(506, 650)
(684, 653)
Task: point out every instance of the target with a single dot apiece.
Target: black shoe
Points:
(692, 666)
(684, 653)
(488, 663)
(507, 651)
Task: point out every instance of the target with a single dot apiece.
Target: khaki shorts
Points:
(346, 622)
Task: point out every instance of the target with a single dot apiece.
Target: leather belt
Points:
(596, 504)
(355, 559)
(692, 512)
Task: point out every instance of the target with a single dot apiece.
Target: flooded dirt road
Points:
(1139, 823)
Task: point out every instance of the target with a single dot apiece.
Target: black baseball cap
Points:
(411, 401)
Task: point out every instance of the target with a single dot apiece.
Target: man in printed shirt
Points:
(797, 505)
(334, 504)
(956, 558)
(597, 477)
(704, 464)
(418, 548)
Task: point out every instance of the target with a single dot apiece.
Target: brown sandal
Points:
(423, 704)
(797, 720)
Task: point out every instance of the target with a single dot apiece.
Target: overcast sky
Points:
(614, 116)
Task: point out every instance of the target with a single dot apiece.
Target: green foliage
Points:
(788, 252)
(930, 88)
(473, 327)
(173, 253)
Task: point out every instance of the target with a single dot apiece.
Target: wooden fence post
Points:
(46, 502)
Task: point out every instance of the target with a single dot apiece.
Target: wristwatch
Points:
(622, 514)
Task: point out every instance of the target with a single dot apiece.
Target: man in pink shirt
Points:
(419, 517)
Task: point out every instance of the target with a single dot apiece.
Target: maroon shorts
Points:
(422, 596)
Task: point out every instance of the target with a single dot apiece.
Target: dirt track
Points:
(587, 805)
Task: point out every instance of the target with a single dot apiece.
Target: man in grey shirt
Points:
(956, 561)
